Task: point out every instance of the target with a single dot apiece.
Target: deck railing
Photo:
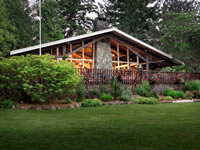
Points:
(102, 76)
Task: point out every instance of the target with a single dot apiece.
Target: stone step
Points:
(183, 101)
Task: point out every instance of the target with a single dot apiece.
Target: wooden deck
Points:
(101, 76)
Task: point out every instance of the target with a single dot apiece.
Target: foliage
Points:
(68, 101)
(74, 12)
(116, 89)
(181, 36)
(23, 17)
(143, 89)
(127, 95)
(196, 94)
(7, 104)
(93, 93)
(92, 103)
(133, 17)
(174, 94)
(52, 21)
(7, 30)
(179, 78)
(154, 78)
(39, 77)
(192, 85)
(106, 97)
(146, 100)
(169, 98)
(189, 94)
(81, 92)
(154, 94)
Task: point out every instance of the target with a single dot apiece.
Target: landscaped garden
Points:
(39, 82)
(35, 82)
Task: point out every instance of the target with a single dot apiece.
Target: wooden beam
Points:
(93, 50)
(138, 60)
(155, 62)
(83, 46)
(83, 55)
(118, 55)
(128, 58)
(125, 45)
(147, 63)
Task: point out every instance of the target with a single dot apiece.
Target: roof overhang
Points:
(114, 31)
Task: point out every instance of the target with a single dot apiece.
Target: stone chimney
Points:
(103, 59)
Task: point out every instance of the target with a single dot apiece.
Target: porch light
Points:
(139, 67)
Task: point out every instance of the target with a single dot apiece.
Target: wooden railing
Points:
(102, 76)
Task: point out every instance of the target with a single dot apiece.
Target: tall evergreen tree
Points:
(20, 16)
(52, 21)
(75, 15)
(7, 37)
(133, 17)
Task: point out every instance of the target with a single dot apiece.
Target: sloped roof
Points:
(115, 31)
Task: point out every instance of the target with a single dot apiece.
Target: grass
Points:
(124, 127)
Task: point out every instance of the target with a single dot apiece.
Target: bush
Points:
(91, 103)
(7, 104)
(68, 101)
(126, 96)
(116, 90)
(143, 89)
(93, 93)
(146, 100)
(189, 94)
(192, 85)
(154, 94)
(174, 94)
(39, 77)
(169, 98)
(106, 97)
(81, 92)
(196, 94)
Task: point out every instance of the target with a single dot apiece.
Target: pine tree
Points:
(7, 37)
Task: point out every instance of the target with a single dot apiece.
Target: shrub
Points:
(146, 100)
(126, 96)
(192, 85)
(91, 103)
(93, 93)
(189, 94)
(174, 94)
(116, 90)
(39, 77)
(81, 92)
(143, 89)
(68, 101)
(154, 94)
(196, 94)
(106, 97)
(7, 104)
(169, 98)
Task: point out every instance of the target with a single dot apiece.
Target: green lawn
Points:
(124, 127)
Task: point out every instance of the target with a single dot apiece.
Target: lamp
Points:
(139, 67)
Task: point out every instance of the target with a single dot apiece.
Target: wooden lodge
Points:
(105, 53)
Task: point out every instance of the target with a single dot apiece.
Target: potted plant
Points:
(154, 79)
(179, 78)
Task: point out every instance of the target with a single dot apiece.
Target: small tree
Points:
(116, 89)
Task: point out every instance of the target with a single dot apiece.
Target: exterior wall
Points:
(103, 54)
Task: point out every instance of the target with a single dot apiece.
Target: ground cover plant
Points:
(174, 93)
(169, 98)
(127, 95)
(119, 127)
(146, 100)
(106, 97)
(92, 103)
